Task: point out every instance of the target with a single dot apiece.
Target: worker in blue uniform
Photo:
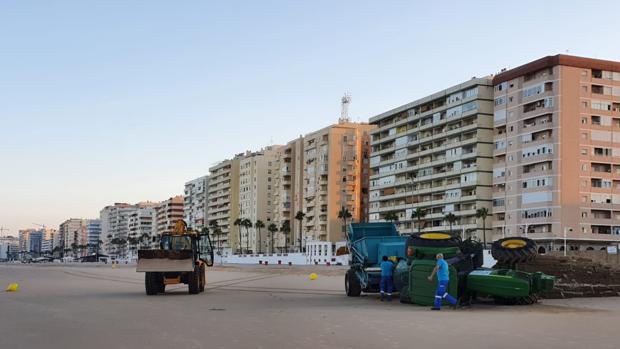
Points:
(443, 279)
(386, 283)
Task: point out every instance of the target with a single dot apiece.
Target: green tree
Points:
(247, 224)
(239, 225)
(272, 228)
(300, 217)
(483, 213)
(259, 225)
(418, 214)
(451, 219)
(344, 214)
(391, 217)
(286, 230)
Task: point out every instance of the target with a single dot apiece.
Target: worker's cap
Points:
(439, 255)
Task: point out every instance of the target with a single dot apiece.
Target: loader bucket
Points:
(165, 261)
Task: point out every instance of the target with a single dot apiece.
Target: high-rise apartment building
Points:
(167, 213)
(256, 186)
(72, 233)
(116, 223)
(335, 176)
(93, 234)
(223, 202)
(287, 196)
(435, 154)
(195, 205)
(141, 225)
(557, 152)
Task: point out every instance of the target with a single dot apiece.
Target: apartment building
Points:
(557, 152)
(195, 204)
(288, 193)
(118, 220)
(72, 232)
(93, 234)
(168, 212)
(256, 188)
(223, 202)
(141, 225)
(436, 154)
(335, 176)
(24, 239)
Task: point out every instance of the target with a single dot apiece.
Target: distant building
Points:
(116, 225)
(73, 235)
(167, 213)
(142, 226)
(9, 248)
(195, 205)
(223, 202)
(93, 234)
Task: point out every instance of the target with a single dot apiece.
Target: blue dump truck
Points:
(414, 259)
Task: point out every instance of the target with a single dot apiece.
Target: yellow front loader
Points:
(182, 258)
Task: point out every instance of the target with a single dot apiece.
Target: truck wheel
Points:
(505, 301)
(352, 284)
(151, 283)
(508, 251)
(203, 280)
(403, 296)
(433, 240)
(193, 281)
(531, 299)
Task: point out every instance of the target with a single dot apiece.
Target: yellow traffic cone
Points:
(12, 287)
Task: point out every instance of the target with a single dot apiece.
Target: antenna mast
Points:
(344, 114)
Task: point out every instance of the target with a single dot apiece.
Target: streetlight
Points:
(566, 229)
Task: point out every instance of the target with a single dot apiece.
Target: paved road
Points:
(100, 307)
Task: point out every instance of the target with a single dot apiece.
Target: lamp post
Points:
(565, 230)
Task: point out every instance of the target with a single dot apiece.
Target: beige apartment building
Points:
(223, 202)
(256, 187)
(167, 213)
(435, 154)
(557, 152)
(195, 204)
(287, 196)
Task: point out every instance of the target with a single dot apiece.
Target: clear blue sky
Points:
(123, 101)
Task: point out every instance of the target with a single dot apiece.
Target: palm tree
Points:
(483, 213)
(391, 217)
(215, 228)
(238, 224)
(258, 225)
(247, 224)
(74, 248)
(272, 228)
(418, 214)
(286, 229)
(97, 248)
(451, 219)
(300, 216)
(344, 214)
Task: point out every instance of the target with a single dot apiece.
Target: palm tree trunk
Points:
(300, 238)
(240, 241)
(484, 233)
(258, 247)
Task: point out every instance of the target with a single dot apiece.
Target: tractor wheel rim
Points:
(514, 243)
(435, 236)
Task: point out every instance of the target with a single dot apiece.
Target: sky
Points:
(125, 101)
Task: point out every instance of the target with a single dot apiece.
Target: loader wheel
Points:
(203, 280)
(505, 301)
(509, 251)
(352, 284)
(193, 281)
(531, 299)
(433, 240)
(152, 283)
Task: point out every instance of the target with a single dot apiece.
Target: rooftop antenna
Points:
(344, 114)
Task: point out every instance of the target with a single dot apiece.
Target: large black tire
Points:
(508, 251)
(403, 295)
(505, 301)
(352, 284)
(531, 299)
(193, 281)
(433, 240)
(203, 278)
(152, 282)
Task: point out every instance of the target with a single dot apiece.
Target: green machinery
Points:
(414, 257)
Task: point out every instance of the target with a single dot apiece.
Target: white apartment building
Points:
(435, 154)
(195, 205)
(223, 202)
(256, 187)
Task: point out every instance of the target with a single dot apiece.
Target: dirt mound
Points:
(576, 276)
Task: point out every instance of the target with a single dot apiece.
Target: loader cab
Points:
(176, 242)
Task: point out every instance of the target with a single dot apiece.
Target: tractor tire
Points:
(505, 301)
(403, 295)
(203, 278)
(508, 251)
(531, 299)
(193, 281)
(152, 283)
(433, 240)
(352, 284)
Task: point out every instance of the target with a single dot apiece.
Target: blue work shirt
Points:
(443, 273)
(386, 268)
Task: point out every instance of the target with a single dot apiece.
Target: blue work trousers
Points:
(386, 285)
(442, 292)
